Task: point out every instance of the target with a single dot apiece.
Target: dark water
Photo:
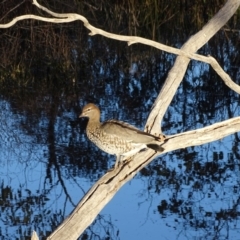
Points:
(47, 164)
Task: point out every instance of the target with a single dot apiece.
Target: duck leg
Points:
(118, 159)
(123, 156)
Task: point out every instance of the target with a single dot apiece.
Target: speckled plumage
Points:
(116, 137)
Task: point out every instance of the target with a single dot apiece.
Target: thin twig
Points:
(70, 17)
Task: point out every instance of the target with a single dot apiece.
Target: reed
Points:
(29, 43)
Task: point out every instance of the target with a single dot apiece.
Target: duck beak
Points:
(82, 115)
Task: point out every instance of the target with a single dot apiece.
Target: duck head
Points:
(91, 111)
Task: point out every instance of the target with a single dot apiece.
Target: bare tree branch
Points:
(70, 17)
(102, 192)
(12, 9)
(34, 236)
(177, 72)
(104, 189)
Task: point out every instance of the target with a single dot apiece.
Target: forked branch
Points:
(70, 17)
(102, 192)
(107, 186)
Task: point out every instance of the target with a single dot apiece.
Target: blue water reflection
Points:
(192, 204)
(32, 193)
(47, 164)
(177, 200)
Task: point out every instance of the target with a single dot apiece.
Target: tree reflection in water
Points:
(47, 164)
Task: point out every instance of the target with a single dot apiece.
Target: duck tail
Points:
(155, 147)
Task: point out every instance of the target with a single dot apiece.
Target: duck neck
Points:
(93, 123)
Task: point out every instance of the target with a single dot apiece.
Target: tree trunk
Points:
(104, 189)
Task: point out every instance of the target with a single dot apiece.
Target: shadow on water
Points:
(48, 164)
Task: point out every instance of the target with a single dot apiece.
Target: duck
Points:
(117, 137)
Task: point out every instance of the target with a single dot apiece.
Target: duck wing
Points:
(127, 132)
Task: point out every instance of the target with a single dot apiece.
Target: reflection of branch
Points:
(70, 17)
(63, 185)
(103, 191)
(12, 9)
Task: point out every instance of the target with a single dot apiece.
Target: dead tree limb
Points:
(107, 186)
(102, 192)
(177, 72)
(70, 17)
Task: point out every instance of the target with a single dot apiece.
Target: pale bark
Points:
(70, 17)
(177, 72)
(107, 186)
(34, 236)
(103, 190)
